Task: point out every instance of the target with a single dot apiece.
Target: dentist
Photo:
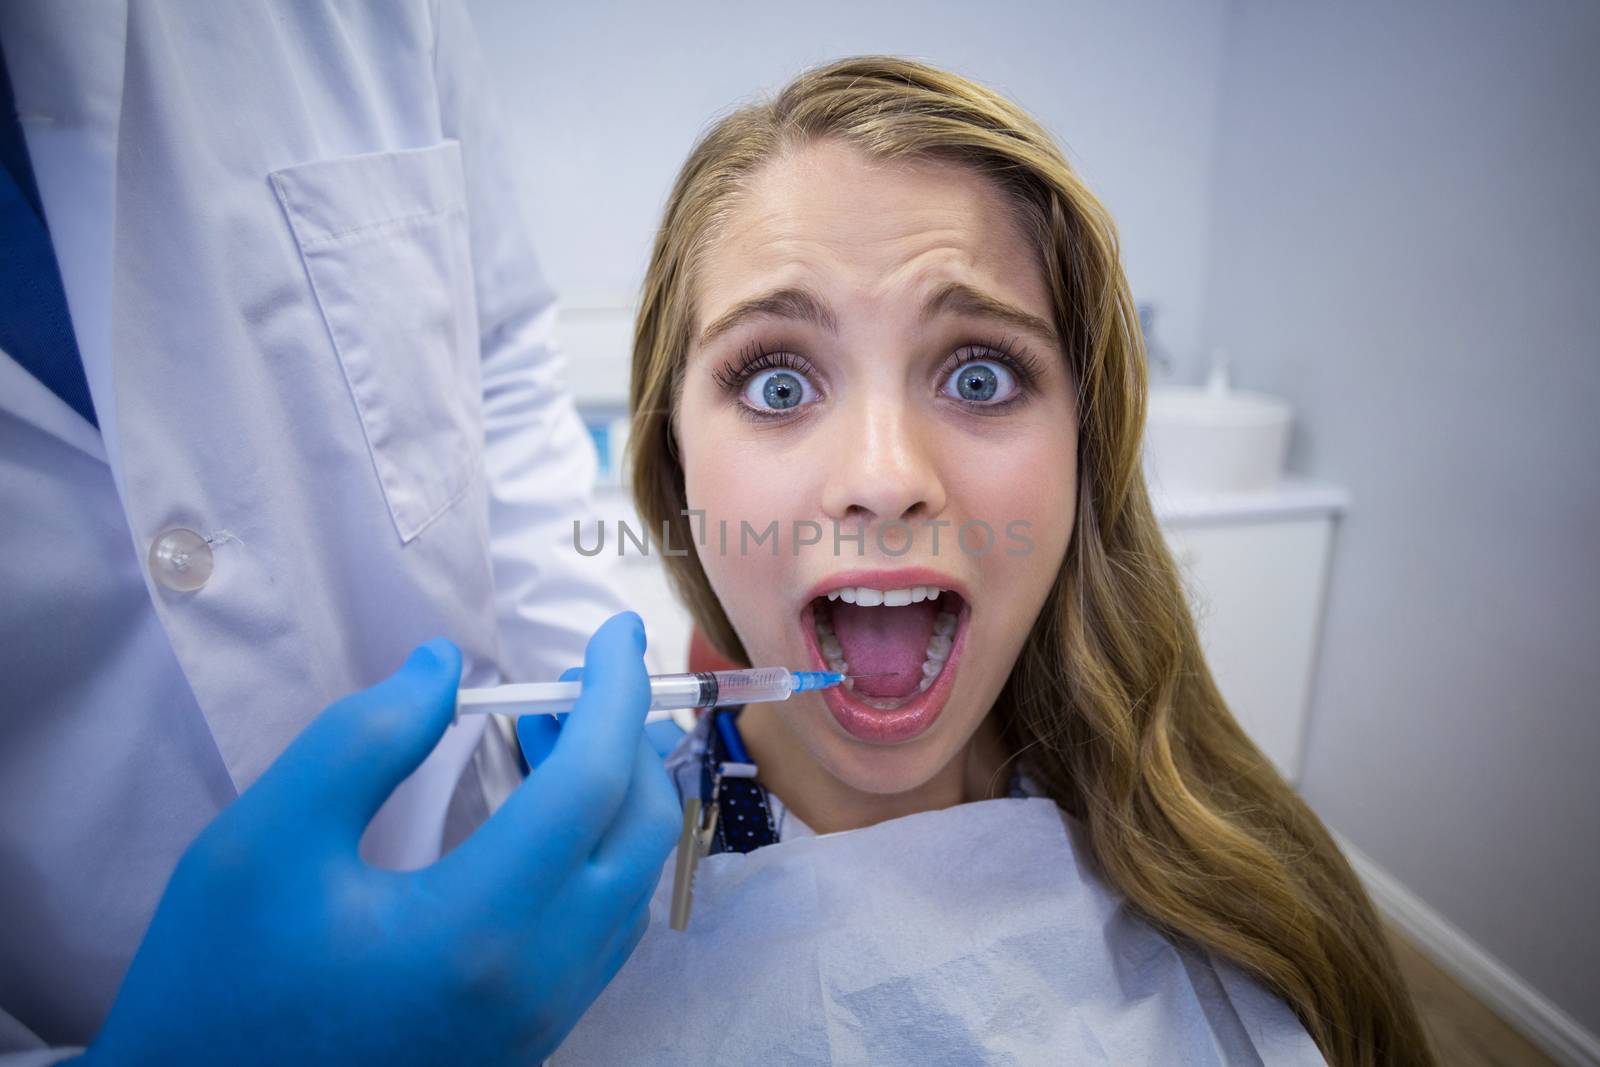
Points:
(277, 405)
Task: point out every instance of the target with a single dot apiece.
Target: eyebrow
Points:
(803, 305)
(959, 299)
(790, 303)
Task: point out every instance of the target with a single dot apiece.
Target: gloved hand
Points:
(275, 943)
(537, 733)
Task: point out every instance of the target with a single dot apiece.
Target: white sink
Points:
(1215, 439)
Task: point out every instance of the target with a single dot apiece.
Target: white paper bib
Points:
(975, 935)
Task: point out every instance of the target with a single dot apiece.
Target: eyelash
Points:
(755, 358)
(751, 360)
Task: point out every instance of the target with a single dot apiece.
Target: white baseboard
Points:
(1500, 988)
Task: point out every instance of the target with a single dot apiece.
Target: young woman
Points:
(883, 313)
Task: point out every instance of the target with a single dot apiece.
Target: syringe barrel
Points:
(719, 688)
(753, 686)
(668, 692)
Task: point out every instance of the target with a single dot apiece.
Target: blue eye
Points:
(778, 390)
(981, 381)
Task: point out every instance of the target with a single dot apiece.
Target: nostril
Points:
(918, 512)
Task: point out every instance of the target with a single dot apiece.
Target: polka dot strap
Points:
(745, 820)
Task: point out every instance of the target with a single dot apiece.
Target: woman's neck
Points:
(827, 805)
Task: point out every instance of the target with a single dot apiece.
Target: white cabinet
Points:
(1256, 568)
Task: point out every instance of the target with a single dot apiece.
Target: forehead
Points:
(826, 216)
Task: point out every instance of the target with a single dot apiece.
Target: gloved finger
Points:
(594, 754)
(333, 777)
(637, 842)
(537, 733)
(552, 821)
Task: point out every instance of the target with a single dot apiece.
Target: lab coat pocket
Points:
(384, 241)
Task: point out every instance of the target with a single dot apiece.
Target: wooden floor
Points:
(1464, 1032)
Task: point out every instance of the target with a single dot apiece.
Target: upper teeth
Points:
(864, 597)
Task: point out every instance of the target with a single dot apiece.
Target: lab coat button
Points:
(180, 560)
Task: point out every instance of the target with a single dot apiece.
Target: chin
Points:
(871, 767)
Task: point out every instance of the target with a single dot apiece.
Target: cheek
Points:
(1028, 477)
(732, 470)
(732, 487)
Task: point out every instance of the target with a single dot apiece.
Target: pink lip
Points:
(913, 718)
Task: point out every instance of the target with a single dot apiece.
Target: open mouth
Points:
(902, 643)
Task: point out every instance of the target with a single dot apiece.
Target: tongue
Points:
(888, 642)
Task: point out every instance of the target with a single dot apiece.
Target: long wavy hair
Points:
(1110, 702)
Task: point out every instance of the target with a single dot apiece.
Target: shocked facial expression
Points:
(875, 369)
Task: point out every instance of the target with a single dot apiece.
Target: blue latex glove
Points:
(275, 943)
(538, 733)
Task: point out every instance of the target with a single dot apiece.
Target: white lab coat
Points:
(314, 332)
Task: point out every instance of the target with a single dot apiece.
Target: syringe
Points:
(705, 689)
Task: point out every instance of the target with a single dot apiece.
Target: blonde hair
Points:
(1110, 700)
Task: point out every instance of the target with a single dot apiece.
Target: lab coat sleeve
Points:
(538, 456)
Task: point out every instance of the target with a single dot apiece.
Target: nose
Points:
(886, 469)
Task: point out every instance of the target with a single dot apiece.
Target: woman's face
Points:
(874, 369)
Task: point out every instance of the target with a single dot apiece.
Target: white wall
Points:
(1407, 244)
(603, 102)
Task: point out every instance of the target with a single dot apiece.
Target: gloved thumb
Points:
(537, 733)
(335, 776)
